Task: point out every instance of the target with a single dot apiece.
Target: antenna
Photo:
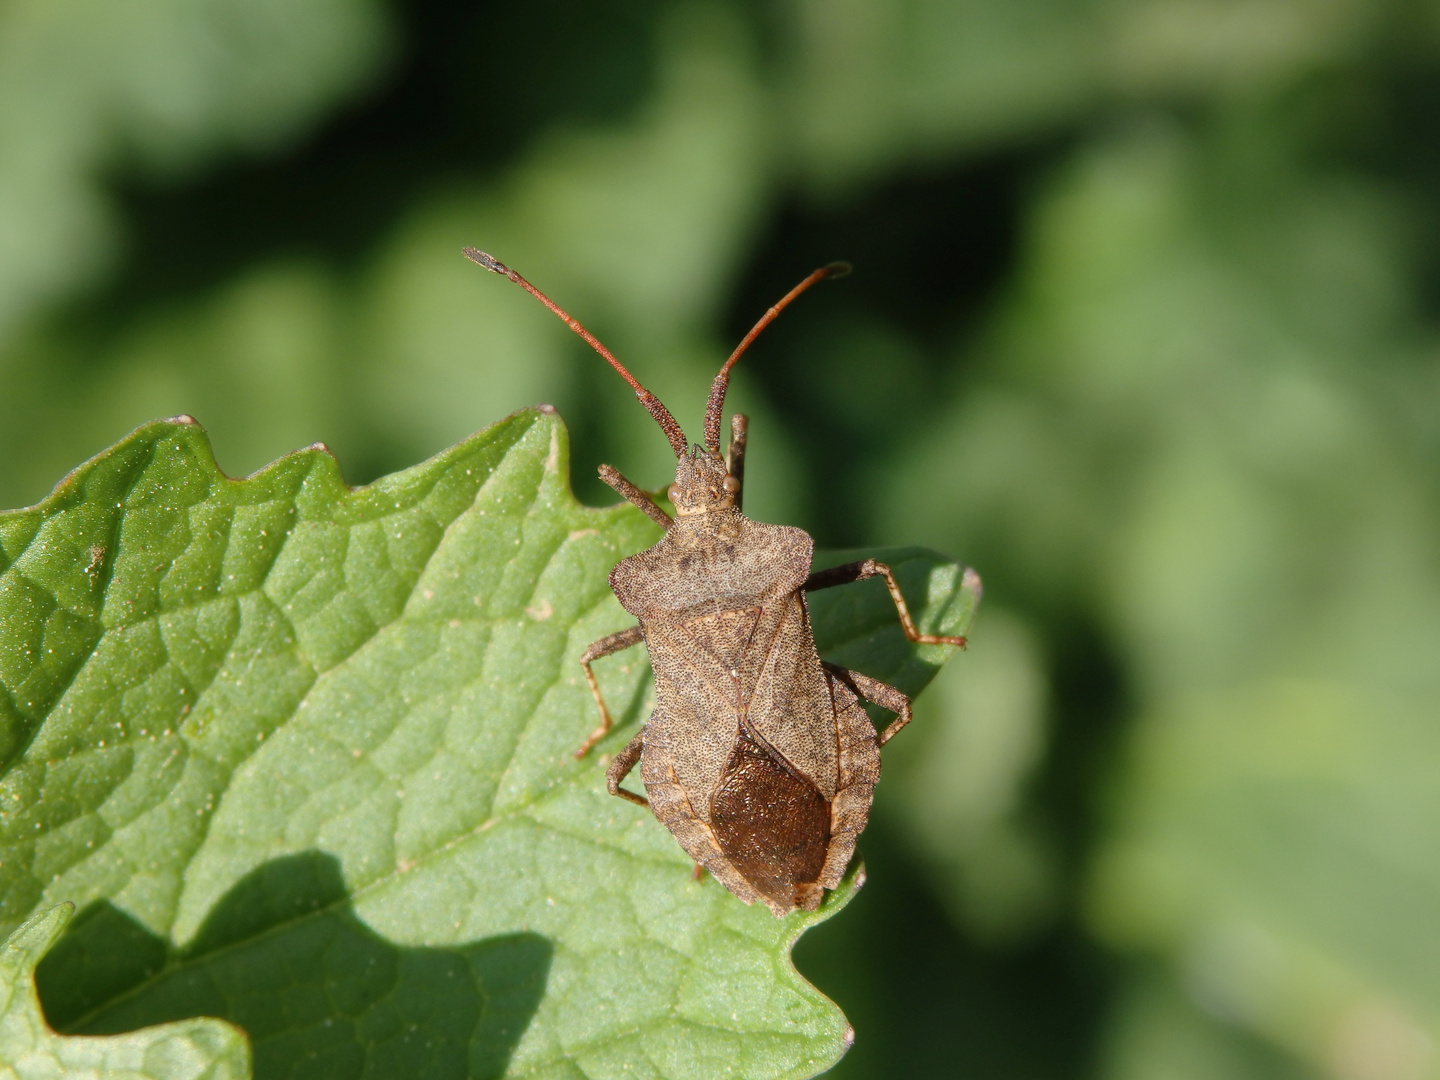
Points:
(652, 404)
(716, 404)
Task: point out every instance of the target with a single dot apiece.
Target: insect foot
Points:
(759, 758)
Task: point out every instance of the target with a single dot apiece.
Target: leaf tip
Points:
(35, 936)
(970, 582)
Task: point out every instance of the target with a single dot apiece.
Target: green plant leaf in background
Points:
(174, 85)
(302, 756)
(193, 1049)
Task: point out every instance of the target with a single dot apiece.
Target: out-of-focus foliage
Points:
(162, 87)
(1144, 326)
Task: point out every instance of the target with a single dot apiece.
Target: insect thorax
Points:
(710, 561)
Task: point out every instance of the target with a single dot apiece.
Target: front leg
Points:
(612, 643)
(616, 480)
(735, 458)
(865, 568)
(877, 693)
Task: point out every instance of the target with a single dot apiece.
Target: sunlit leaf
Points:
(303, 756)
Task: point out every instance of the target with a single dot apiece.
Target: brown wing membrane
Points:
(771, 822)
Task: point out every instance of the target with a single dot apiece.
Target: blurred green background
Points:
(1145, 325)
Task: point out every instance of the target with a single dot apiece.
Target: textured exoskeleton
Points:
(758, 757)
(760, 761)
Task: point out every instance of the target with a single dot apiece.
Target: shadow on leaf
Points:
(320, 994)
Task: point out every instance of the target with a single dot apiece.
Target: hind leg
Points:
(621, 766)
(877, 693)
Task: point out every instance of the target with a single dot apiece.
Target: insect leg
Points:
(877, 693)
(611, 476)
(612, 643)
(735, 463)
(866, 568)
(620, 768)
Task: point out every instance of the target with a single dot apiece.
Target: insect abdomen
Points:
(771, 822)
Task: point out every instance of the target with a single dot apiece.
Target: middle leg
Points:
(866, 568)
(611, 643)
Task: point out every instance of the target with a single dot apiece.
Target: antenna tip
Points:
(488, 261)
(838, 269)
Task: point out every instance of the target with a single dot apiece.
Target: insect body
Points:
(759, 757)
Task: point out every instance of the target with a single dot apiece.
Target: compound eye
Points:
(730, 484)
(672, 493)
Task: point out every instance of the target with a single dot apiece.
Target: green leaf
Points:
(192, 1049)
(303, 756)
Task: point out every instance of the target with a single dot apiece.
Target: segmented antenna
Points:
(716, 405)
(652, 404)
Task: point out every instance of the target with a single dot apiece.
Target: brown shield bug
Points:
(758, 757)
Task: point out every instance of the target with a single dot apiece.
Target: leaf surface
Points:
(303, 757)
(189, 1049)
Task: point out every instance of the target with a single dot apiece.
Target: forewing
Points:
(790, 705)
(698, 701)
(770, 820)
